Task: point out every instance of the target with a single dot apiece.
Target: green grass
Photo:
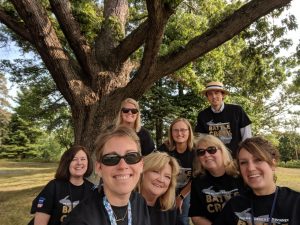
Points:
(22, 181)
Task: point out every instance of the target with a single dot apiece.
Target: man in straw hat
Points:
(228, 122)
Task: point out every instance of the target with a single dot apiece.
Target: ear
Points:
(98, 168)
(273, 164)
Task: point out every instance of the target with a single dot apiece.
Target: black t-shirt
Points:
(209, 194)
(185, 161)
(225, 125)
(159, 217)
(147, 144)
(238, 211)
(91, 211)
(58, 199)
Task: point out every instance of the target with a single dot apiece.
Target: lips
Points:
(122, 177)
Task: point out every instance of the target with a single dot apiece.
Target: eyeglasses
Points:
(127, 110)
(211, 150)
(113, 159)
(182, 130)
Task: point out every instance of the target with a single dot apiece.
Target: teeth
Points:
(122, 177)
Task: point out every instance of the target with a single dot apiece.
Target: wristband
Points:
(181, 196)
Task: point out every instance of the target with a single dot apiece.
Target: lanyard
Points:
(111, 213)
(272, 209)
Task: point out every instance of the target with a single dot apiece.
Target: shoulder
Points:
(286, 193)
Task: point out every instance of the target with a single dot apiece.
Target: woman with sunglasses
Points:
(119, 163)
(129, 115)
(264, 202)
(158, 185)
(180, 146)
(216, 180)
(67, 190)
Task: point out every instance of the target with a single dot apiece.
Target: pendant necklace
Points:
(112, 216)
(122, 218)
(271, 212)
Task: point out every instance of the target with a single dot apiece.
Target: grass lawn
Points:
(22, 181)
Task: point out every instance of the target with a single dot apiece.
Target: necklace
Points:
(272, 209)
(122, 218)
(111, 215)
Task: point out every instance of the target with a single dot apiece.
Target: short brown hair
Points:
(62, 172)
(260, 148)
(120, 131)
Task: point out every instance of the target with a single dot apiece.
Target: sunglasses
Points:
(113, 159)
(127, 110)
(211, 150)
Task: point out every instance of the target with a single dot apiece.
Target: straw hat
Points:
(215, 85)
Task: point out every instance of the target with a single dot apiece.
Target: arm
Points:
(246, 132)
(41, 218)
(199, 220)
(184, 192)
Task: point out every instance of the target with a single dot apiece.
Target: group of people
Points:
(223, 176)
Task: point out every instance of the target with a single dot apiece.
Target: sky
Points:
(10, 51)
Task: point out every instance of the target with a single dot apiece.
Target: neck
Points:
(150, 199)
(77, 181)
(181, 147)
(267, 191)
(128, 124)
(217, 172)
(117, 200)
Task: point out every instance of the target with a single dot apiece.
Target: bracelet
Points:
(181, 196)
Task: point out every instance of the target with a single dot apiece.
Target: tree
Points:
(94, 73)
(4, 108)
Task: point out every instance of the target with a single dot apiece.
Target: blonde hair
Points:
(137, 123)
(171, 142)
(120, 131)
(229, 163)
(156, 161)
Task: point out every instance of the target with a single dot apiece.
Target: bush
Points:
(290, 164)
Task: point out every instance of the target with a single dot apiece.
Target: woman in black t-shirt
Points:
(119, 163)
(217, 180)
(158, 185)
(264, 203)
(180, 146)
(69, 187)
(130, 116)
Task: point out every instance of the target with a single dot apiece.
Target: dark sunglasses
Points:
(126, 110)
(113, 159)
(211, 150)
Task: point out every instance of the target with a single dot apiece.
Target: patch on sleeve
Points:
(40, 202)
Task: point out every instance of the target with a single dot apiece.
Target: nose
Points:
(122, 164)
(250, 166)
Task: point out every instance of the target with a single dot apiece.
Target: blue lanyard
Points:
(111, 213)
(272, 209)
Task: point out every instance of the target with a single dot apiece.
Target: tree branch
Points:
(132, 42)
(72, 31)
(213, 38)
(49, 47)
(15, 25)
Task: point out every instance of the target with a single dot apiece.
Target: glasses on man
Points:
(182, 130)
(211, 150)
(127, 110)
(113, 159)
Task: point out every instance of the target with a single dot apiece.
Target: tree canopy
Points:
(100, 52)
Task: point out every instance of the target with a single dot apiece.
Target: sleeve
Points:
(246, 132)
(147, 143)
(45, 200)
(244, 119)
(200, 125)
